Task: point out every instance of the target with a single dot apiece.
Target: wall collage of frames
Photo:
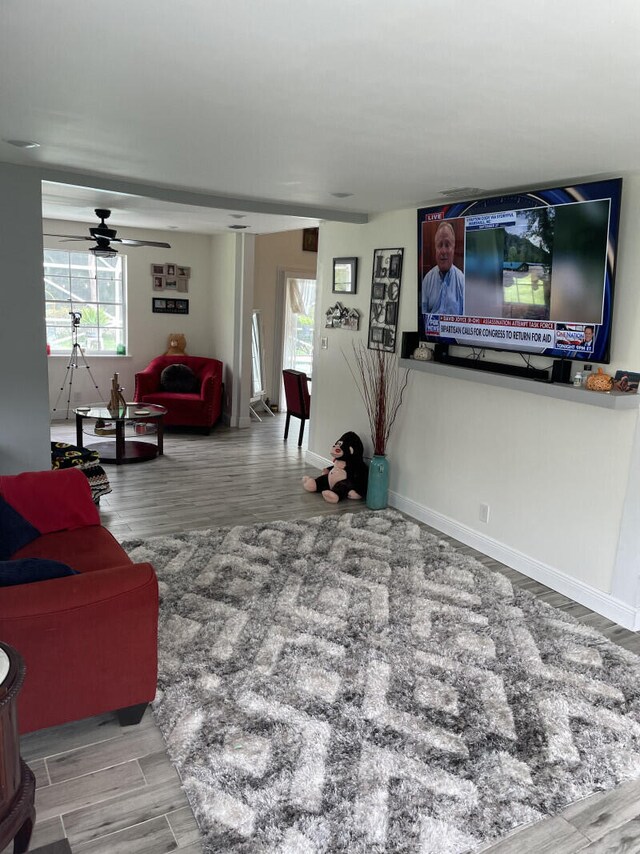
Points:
(385, 299)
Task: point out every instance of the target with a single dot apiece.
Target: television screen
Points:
(530, 272)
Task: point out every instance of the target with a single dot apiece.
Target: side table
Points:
(17, 783)
(123, 449)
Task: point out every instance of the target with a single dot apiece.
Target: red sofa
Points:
(201, 409)
(89, 641)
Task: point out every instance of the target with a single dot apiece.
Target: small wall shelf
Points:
(562, 391)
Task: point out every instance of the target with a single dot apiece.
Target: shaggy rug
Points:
(350, 683)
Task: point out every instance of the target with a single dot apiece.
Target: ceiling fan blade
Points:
(68, 236)
(126, 242)
(97, 234)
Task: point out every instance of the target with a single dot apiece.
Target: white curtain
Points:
(296, 299)
(295, 306)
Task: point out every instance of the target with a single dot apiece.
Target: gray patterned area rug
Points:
(350, 683)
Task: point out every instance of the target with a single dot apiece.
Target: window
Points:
(95, 287)
(298, 325)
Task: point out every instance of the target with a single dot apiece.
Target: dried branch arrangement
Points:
(377, 374)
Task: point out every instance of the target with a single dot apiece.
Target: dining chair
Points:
(296, 390)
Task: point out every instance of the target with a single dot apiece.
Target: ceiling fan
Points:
(105, 236)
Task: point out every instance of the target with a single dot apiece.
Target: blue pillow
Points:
(30, 569)
(15, 530)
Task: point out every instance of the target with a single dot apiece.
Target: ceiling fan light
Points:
(103, 252)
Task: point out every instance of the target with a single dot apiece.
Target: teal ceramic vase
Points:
(378, 488)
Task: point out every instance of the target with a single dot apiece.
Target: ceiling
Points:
(278, 106)
(69, 202)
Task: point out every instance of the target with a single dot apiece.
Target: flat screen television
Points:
(529, 272)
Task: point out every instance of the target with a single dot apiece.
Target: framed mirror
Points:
(345, 275)
(257, 362)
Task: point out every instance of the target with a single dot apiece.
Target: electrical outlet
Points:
(484, 512)
(324, 342)
(77, 396)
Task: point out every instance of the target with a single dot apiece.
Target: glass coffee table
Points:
(121, 431)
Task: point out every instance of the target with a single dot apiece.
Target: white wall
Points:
(147, 332)
(222, 308)
(245, 271)
(277, 254)
(554, 473)
(24, 420)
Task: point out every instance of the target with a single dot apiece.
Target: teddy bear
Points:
(347, 477)
(177, 344)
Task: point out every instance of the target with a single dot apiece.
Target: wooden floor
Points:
(114, 791)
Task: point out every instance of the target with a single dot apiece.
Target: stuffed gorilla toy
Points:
(347, 477)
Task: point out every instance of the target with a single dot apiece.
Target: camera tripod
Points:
(76, 360)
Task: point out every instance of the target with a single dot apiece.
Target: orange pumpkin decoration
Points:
(600, 381)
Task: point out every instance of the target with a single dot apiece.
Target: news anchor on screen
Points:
(443, 285)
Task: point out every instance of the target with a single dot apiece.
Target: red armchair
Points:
(201, 409)
(89, 641)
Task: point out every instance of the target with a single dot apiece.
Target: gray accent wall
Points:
(24, 387)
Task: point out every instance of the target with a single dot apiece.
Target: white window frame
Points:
(89, 333)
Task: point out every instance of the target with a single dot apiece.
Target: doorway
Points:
(293, 335)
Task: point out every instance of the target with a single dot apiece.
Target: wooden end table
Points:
(17, 783)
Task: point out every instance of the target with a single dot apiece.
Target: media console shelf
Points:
(562, 391)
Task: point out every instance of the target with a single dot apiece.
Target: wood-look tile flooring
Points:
(114, 791)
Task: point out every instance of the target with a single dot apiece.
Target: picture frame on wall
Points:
(395, 266)
(385, 298)
(169, 306)
(170, 277)
(391, 313)
(345, 275)
(310, 239)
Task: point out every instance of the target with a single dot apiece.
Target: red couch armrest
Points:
(89, 643)
(25, 601)
(210, 380)
(147, 382)
(211, 389)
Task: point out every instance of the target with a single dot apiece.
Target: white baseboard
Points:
(317, 461)
(598, 601)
